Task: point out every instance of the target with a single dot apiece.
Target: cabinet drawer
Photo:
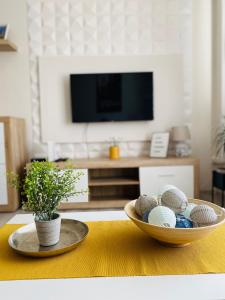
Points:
(82, 184)
(153, 178)
(3, 185)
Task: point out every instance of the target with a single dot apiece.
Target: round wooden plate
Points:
(176, 237)
(25, 241)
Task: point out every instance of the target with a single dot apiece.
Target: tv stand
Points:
(112, 183)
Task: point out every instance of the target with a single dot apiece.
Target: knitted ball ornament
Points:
(162, 216)
(166, 188)
(145, 203)
(182, 222)
(175, 199)
(188, 210)
(203, 215)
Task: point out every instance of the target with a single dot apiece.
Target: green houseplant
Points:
(45, 186)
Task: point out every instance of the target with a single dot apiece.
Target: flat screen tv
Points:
(112, 97)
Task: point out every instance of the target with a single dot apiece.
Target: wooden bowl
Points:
(176, 237)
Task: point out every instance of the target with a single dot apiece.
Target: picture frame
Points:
(4, 29)
(159, 144)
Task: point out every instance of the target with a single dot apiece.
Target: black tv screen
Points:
(112, 97)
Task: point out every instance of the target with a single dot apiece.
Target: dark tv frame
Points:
(151, 117)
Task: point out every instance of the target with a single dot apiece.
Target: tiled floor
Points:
(5, 217)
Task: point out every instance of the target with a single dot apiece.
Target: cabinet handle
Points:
(166, 175)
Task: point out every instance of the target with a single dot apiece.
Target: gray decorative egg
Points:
(166, 188)
(175, 199)
(145, 203)
(203, 215)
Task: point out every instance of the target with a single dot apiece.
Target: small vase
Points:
(48, 231)
(114, 152)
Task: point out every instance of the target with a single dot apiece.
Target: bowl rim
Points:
(176, 228)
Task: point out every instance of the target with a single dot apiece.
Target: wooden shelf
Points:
(6, 45)
(112, 181)
(129, 162)
(113, 203)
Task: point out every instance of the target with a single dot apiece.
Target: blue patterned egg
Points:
(182, 222)
(145, 217)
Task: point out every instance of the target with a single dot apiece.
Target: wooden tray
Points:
(25, 241)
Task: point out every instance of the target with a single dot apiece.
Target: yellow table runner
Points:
(115, 248)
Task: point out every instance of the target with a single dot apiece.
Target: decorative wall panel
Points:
(106, 27)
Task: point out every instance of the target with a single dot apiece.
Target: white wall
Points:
(55, 97)
(109, 28)
(202, 88)
(18, 94)
(218, 67)
(217, 64)
(14, 66)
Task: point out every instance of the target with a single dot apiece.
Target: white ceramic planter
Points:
(48, 231)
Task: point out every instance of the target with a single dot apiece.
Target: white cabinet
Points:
(81, 185)
(112, 183)
(153, 178)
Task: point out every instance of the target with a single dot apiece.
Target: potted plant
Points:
(45, 186)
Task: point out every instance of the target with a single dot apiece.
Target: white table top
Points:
(191, 287)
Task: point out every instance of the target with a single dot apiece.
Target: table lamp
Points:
(180, 135)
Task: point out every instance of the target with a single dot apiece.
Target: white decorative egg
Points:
(188, 210)
(166, 188)
(175, 199)
(162, 216)
(145, 203)
(203, 215)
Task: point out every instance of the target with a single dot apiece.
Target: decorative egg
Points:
(175, 199)
(182, 222)
(145, 217)
(145, 203)
(203, 215)
(162, 216)
(188, 210)
(166, 188)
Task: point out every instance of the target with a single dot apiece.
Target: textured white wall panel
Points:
(107, 27)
